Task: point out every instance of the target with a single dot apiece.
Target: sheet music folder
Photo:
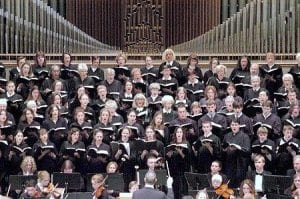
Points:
(276, 183)
(18, 182)
(67, 180)
(197, 181)
(161, 175)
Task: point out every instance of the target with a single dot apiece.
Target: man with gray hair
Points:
(148, 192)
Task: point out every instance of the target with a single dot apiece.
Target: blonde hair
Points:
(168, 51)
(28, 159)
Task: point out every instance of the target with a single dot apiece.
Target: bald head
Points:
(150, 178)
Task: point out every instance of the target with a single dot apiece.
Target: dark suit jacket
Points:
(148, 193)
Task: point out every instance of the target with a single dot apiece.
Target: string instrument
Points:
(99, 191)
(224, 191)
(50, 190)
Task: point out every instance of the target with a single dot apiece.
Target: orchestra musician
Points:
(98, 182)
(45, 186)
(31, 191)
(221, 190)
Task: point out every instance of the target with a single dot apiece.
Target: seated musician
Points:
(222, 191)
(257, 175)
(294, 189)
(30, 190)
(45, 186)
(247, 190)
(98, 183)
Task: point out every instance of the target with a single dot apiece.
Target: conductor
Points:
(148, 192)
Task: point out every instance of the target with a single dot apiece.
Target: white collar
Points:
(149, 186)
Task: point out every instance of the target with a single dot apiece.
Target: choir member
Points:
(178, 155)
(211, 69)
(150, 146)
(167, 108)
(132, 123)
(100, 100)
(220, 81)
(265, 147)
(182, 98)
(122, 70)
(40, 69)
(56, 126)
(192, 67)
(245, 121)
(232, 91)
(149, 72)
(35, 95)
(194, 87)
(206, 148)
(253, 92)
(26, 80)
(286, 148)
(140, 106)
(271, 74)
(98, 153)
(14, 72)
(83, 79)
(154, 99)
(114, 86)
(126, 156)
(139, 84)
(14, 100)
(168, 58)
(29, 127)
(167, 83)
(219, 121)
(126, 99)
(83, 125)
(106, 126)
(6, 126)
(74, 150)
(18, 149)
(216, 168)
(95, 71)
(236, 146)
(188, 125)
(45, 152)
(295, 71)
(210, 93)
(161, 130)
(116, 119)
(269, 120)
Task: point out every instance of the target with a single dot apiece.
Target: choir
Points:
(83, 119)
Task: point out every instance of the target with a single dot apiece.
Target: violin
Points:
(50, 191)
(99, 191)
(224, 191)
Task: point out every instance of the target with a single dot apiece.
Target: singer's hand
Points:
(169, 182)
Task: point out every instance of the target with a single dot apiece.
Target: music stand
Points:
(276, 184)
(197, 181)
(77, 195)
(18, 182)
(161, 175)
(114, 181)
(67, 180)
(278, 196)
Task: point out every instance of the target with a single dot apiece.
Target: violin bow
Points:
(8, 190)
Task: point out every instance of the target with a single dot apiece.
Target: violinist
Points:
(30, 190)
(98, 183)
(222, 190)
(45, 186)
